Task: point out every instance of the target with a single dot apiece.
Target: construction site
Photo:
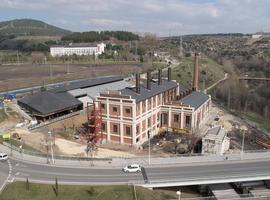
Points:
(118, 116)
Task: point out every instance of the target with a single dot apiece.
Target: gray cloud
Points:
(160, 16)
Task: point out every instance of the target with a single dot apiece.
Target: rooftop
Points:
(217, 133)
(46, 103)
(87, 83)
(195, 99)
(74, 45)
(62, 98)
(145, 93)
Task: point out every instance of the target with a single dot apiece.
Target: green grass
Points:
(3, 115)
(210, 72)
(24, 146)
(260, 120)
(17, 191)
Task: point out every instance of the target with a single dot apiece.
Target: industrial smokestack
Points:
(149, 80)
(160, 76)
(196, 73)
(138, 83)
(169, 74)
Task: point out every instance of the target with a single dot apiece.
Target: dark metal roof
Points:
(75, 45)
(47, 102)
(195, 99)
(145, 93)
(87, 83)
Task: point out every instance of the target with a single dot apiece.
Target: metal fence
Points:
(59, 157)
(229, 156)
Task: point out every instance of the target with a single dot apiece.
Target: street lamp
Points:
(243, 129)
(179, 194)
(50, 133)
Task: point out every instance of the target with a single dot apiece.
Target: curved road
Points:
(184, 172)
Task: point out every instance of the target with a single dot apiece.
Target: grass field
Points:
(20, 76)
(260, 120)
(210, 72)
(3, 115)
(17, 191)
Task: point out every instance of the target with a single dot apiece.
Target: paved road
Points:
(181, 172)
(4, 173)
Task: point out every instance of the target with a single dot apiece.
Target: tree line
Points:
(94, 36)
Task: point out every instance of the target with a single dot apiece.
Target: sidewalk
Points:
(120, 162)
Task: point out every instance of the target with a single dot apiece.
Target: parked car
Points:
(3, 156)
(132, 168)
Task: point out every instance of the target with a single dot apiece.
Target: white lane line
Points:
(8, 178)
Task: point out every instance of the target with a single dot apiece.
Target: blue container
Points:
(11, 96)
(1, 104)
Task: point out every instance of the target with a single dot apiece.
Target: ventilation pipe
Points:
(138, 83)
(169, 74)
(149, 80)
(160, 76)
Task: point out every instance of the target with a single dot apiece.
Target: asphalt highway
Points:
(81, 176)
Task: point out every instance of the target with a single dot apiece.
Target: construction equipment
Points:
(94, 123)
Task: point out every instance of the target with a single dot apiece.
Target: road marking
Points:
(9, 176)
(20, 165)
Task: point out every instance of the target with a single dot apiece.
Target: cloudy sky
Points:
(163, 17)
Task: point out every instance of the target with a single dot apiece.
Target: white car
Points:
(132, 168)
(3, 156)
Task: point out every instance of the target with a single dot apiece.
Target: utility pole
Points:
(68, 67)
(136, 48)
(229, 99)
(51, 72)
(18, 60)
(149, 149)
(243, 144)
(50, 133)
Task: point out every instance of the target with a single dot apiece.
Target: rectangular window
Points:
(176, 118)
(114, 109)
(102, 106)
(128, 110)
(149, 122)
(103, 127)
(137, 129)
(128, 131)
(188, 121)
(115, 129)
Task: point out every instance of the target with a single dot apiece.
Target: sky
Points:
(162, 17)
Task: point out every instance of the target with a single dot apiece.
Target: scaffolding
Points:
(94, 123)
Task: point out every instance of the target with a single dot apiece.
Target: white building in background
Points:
(215, 141)
(256, 36)
(80, 49)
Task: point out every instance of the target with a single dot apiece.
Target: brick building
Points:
(133, 114)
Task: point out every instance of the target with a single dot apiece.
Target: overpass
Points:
(165, 175)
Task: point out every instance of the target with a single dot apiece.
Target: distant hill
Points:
(30, 27)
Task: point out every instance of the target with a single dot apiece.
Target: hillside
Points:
(30, 27)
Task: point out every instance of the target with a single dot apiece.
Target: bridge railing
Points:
(208, 178)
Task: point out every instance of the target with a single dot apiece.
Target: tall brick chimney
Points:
(195, 86)
(138, 83)
(149, 80)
